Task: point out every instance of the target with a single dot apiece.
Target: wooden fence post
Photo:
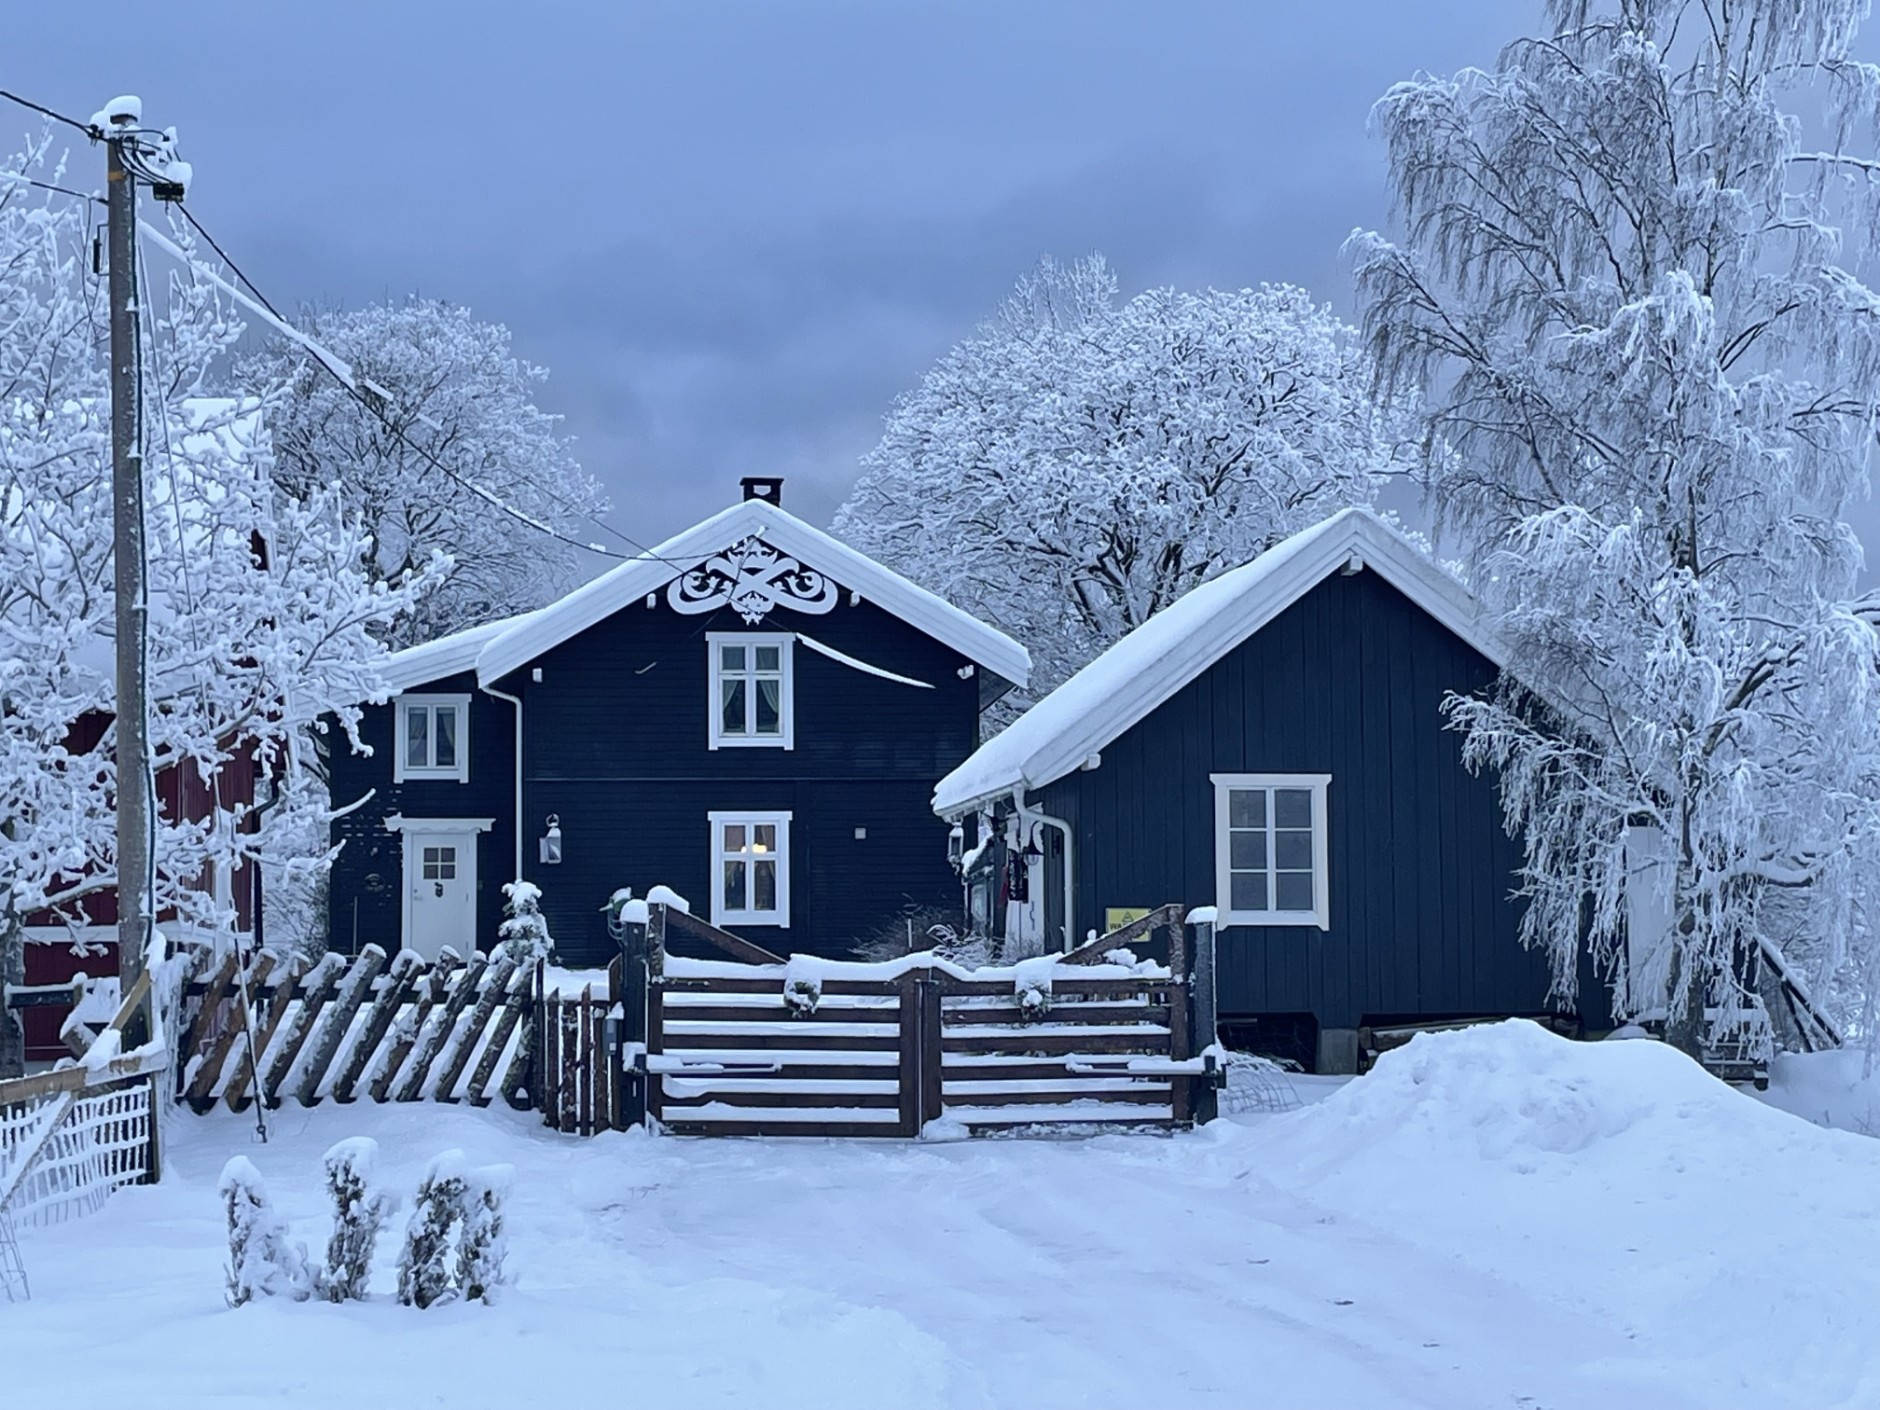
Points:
(931, 1036)
(910, 1068)
(655, 1004)
(630, 993)
(1206, 1026)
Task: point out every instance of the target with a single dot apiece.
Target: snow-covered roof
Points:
(525, 638)
(444, 656)
(1122, 686)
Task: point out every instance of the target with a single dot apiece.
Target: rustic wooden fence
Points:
(752, 1044)
(700, 1030)
(273, 1027)
(72, 1135)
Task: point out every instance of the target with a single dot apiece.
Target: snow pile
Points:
(1514, 1092)
(1620, 1181)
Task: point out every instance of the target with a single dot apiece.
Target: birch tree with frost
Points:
(260, 622)
(1632, 286)
(462, 395)
(1078, 464)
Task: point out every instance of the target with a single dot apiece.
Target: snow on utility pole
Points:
(127, 525)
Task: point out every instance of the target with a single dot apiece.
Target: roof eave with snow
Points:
(528, 638)
(1124, 685)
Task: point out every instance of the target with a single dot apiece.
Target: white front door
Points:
(440, 891)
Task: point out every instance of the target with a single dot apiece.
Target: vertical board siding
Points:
(367, 878)
(1350, 681)
(616, 746)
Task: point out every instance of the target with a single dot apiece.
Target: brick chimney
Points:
(768, 488)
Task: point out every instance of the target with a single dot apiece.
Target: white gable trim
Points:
(525, 638)
(1125, 684)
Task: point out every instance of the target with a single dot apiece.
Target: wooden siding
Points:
(616, 746)
(1349, 681)
(366, 893)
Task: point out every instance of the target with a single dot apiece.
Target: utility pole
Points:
(127, 522)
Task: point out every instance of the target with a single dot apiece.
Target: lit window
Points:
(1270, 849)
(433, 738)
(750, 869)
(750, 690)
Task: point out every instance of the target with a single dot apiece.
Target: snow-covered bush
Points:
(360, 1213)
(425, 1266)
(483, 1245)
(524, 931)
(262, 1260)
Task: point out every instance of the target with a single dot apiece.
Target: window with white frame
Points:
(1270, 849)
(433, 738)
(750, 690)
(750, 868)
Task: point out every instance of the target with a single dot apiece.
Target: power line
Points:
(44, 111)
(378, 413)
(48, 186)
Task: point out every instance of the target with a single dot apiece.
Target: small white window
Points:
(1269, 849)
(433, 738)
(750, 691)
(750, 869)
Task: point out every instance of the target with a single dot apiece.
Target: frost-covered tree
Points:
(360, 1213)
(460, 394)
(260, 623)
(524, 929)
(1078, 464)
(1632, 285)
(262, 1260)
(426, 1267)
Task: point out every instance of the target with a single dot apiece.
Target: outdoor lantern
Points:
(956, 845)
(551, 842)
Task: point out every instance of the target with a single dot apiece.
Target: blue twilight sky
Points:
(734, 230)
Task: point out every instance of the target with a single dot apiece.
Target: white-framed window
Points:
(750, 869)
(433, 739)
(751, 689)
(1269, 849)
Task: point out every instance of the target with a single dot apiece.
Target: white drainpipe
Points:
(1028, 816)
(516, 701)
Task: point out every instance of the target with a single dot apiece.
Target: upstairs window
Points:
(1270, 849)
(750, 869)
(433, 738)
(750, 691)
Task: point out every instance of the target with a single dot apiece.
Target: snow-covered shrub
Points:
(1034, 999)
(425, 1269)
(934, 928)
(483, 1246)
(524, 931)
(262, 1260)
(802, 988)
(360, 1213)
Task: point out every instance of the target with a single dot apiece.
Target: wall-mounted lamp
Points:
(551, 842)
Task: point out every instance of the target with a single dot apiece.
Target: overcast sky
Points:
(735, 231)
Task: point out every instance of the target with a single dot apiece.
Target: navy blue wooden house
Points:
(752, 713)
(1273, 745)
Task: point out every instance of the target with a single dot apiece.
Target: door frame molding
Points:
(416, 828)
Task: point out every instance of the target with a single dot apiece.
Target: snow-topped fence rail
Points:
(72, 1135)
(748, 1043)
(396, 1028)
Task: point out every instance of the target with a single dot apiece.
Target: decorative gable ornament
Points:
(751, 577)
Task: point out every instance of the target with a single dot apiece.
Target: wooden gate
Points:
(747, 1043)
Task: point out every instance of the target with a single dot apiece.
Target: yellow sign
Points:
(1116, 917)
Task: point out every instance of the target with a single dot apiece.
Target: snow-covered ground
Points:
(1494, 1218)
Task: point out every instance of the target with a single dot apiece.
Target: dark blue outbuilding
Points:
(1274, 746)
